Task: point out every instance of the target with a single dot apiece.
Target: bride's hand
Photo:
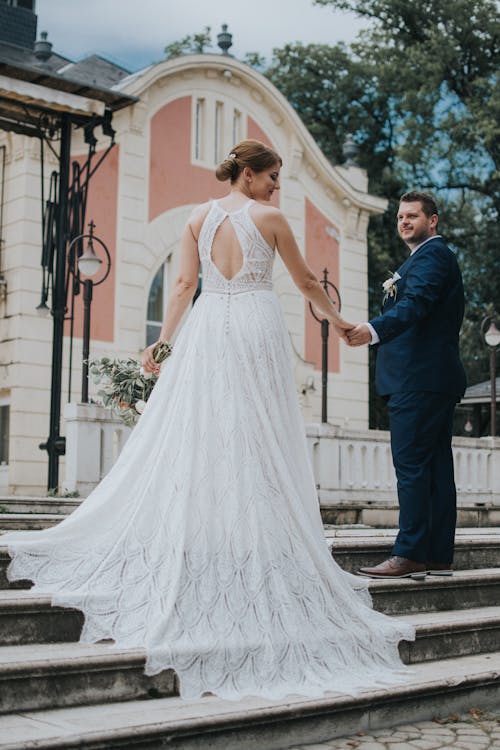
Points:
(340, 324)
(147, 360)
(341, 327)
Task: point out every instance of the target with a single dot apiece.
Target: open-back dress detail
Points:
(204, 544)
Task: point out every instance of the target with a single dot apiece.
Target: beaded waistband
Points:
(231, 291)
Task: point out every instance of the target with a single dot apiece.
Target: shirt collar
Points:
(434, 236)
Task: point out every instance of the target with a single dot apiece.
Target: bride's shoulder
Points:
(269, 215)
(265, 211)
(198, 216)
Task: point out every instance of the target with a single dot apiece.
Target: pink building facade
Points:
(189, 112)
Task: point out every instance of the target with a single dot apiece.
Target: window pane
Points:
(236, 126)
(219, 111)
(199, 287)
(198, 145)
(155, 299)
(4, 434)
(152, 333)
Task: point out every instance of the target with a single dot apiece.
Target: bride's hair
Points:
(253, 154)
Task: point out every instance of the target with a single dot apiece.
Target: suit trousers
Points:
(421, 432)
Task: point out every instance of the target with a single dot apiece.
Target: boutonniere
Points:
(390, 286)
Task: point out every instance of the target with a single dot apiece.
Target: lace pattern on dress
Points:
(257, 269)
(204, 544)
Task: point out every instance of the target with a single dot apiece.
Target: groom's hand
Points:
(359, 335)
(342, 332)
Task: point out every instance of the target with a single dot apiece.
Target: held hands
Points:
(353, 335)
(341, 327)
(358, 335)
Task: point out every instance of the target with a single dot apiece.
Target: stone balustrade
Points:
(350, 467)
(356, 466)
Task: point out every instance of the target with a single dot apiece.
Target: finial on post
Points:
(224, 39)
(350, 151)
(42, 48)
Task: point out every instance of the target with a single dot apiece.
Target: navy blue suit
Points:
(420, 374)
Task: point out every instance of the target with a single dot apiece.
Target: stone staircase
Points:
(58, 693)
(34, 512)
(40, 512)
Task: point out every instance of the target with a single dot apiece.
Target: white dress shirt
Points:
(373, 332)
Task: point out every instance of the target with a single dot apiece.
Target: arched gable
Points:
(200, 75)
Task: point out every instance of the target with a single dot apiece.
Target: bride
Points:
(204, 544)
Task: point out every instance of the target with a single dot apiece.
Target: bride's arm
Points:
(305, 280)
(182, 293)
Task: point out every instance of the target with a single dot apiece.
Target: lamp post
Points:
(89, 264)
(491, 337)
(325, 329)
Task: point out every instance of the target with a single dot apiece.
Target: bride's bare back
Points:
(226, 253)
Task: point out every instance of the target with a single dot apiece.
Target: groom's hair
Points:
(429, 206)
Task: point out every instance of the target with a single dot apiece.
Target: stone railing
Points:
(355, 467)
(350, 467)
(94, 440)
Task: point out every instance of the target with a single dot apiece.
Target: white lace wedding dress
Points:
(204, 543)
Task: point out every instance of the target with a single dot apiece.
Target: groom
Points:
(420, 374)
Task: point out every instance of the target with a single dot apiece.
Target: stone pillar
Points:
(94, 440)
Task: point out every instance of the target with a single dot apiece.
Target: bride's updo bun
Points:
(228, 169)
(250, 153)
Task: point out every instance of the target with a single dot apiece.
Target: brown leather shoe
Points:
(396, 567)
(438, 569)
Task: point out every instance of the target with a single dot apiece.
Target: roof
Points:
(30, 88)
(43, 75)
(480, 393)
(23, 56)
(95, 69)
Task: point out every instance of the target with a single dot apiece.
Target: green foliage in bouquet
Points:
(124, 385)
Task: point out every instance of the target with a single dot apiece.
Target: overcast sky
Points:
(134, 33)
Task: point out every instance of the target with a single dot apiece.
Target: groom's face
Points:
(414, 226)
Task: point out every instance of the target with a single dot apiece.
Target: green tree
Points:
(420, 91)
(190, 44)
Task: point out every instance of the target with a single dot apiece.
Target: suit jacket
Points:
(419, 327)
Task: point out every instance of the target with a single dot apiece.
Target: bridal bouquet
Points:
(124, 385)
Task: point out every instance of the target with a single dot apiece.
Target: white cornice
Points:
(334, 178)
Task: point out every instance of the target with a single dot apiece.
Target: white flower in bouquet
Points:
(124, 385)
(140, 406)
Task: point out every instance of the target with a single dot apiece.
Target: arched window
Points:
(157, 303)
(198, 288)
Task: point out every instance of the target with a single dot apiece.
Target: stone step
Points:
(70, 674)
(444, 635)
(363, 531)
(465, 589)
(21, 504)
(381, 515)
(29, 618)
(37, 676)
(29, 521)
(354, 547)
(434, 688)
(356, 551)
(376, 515)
